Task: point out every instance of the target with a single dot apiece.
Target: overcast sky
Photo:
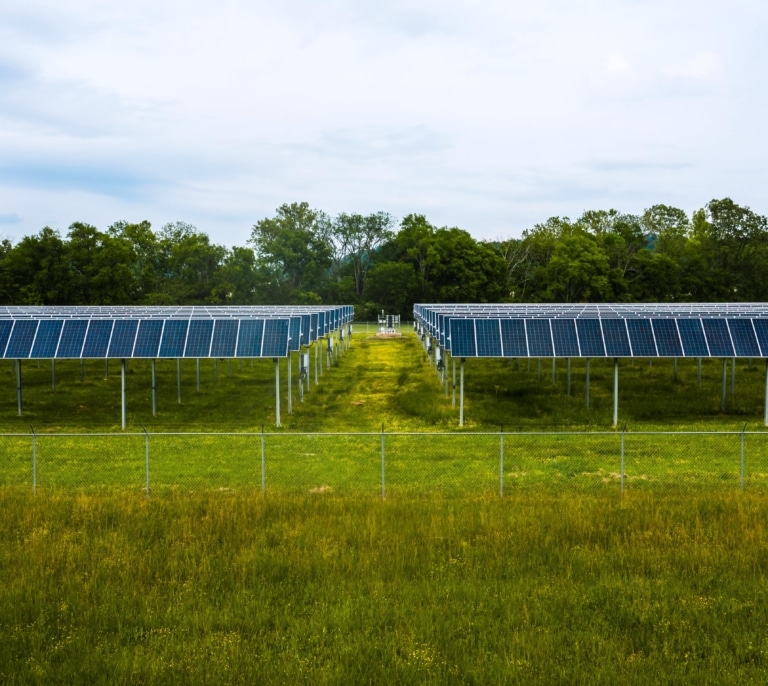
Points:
(490, 116)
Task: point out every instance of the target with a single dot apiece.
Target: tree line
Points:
(302, 255)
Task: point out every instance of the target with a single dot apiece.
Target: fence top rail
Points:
(425, 434)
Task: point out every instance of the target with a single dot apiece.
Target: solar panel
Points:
(616, 339)
(564, 337)
(199, 338)
(513, 339)
(224, 337)
(174, 338)
(306, 324)
(275, 338)
(250, 338)
(590, 337)
(314, 319)
(667, 338)
(718, 337)
(743, 336)
(463, 338)
(488, 337)
(47, 339)
(641, 338)
(123, 338)
(539, 337)
(295, 333)
(322, 328)
(692, 336)
(22, 337)
(97, 338)
(761, 329)
(148, 338)
(72, 338)
(5, 333)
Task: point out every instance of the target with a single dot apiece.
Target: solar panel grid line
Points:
(763, 351)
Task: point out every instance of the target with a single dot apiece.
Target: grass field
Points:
(563, 580)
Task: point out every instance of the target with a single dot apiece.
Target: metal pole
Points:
(317, 364)
(615, 391)
(725, 378)
(53, 375)
(263, 475)
(309, 371)
(197, 370)
(154, 388)
(277, 391)
(290, 399)
(146, 456)
(733, 377)
(587, 383)
(453, 398)
(122, 393)
(742, 456)
(623, 429)
(178, 379)
(34, 460)
(383, 481)
(18, 385)
(554, 359)
(501, 463)
(569, 376)
(461, 393)
(765, 411)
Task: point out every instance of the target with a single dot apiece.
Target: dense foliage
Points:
(301, 255)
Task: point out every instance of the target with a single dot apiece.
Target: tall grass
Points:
(219, 587)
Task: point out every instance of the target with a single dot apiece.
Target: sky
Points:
(490, 116)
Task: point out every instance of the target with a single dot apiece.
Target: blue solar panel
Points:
(322, 324)
(148, 338)
(250, 338)
(295, 333)
(199, 338)
(692, 336)
(513, 338)
(123, 338)
(667, 338)
(463, 338)
(761, 329)
(306, 323)
(590, 337)
(97, 338)
(47, 339)
(313, 326)
(743, 336)
(22, 336)
(616, 338)
(224, 337)
(564, 336)
(275, 338)
(174, 338)
(641, 338)
(72, 338)
(718, 337)
(5, 333)
(488, 337)
(539, 337)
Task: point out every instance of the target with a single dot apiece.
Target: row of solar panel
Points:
(151, 338)
(607, 338)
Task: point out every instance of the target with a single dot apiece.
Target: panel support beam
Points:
(568, 388)
(765, 411)
(615, 391)
(290, 395)
(461, 393)
(453, 396)
(277, 391)
(725, 384)
(18, 385)
(587, 384)
(53, 375)
(178, 379)
(122, 394)
(154, 388)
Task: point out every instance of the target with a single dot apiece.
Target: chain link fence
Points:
(387, 464)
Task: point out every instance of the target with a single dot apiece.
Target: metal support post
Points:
(587, 392)
(18, 385)
(554, 359)
(146, 457)
(461, 393)
(501, 463)
(122, 394)
(733, 377)
(725, 384)
(178, 379)
(623, 429)
(290, 395)
(383, 481)
(742, 457)
(765, 406)
(453, 398)
(34, 460)
(263, 465)
(277, 391)
(568, 390)
(615, 391)
(154, 388)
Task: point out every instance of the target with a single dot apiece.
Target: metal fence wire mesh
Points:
(387, 464)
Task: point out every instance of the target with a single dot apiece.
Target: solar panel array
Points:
(145, 332)
(615, 330)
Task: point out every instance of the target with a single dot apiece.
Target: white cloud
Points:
(703, 66)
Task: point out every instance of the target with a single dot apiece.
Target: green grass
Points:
(222, 587)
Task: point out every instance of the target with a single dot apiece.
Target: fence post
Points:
(501, 462)
(263, 481)
(742, 457)
(146, 457)
(383, 491)
(34, 460)
(623, 429)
